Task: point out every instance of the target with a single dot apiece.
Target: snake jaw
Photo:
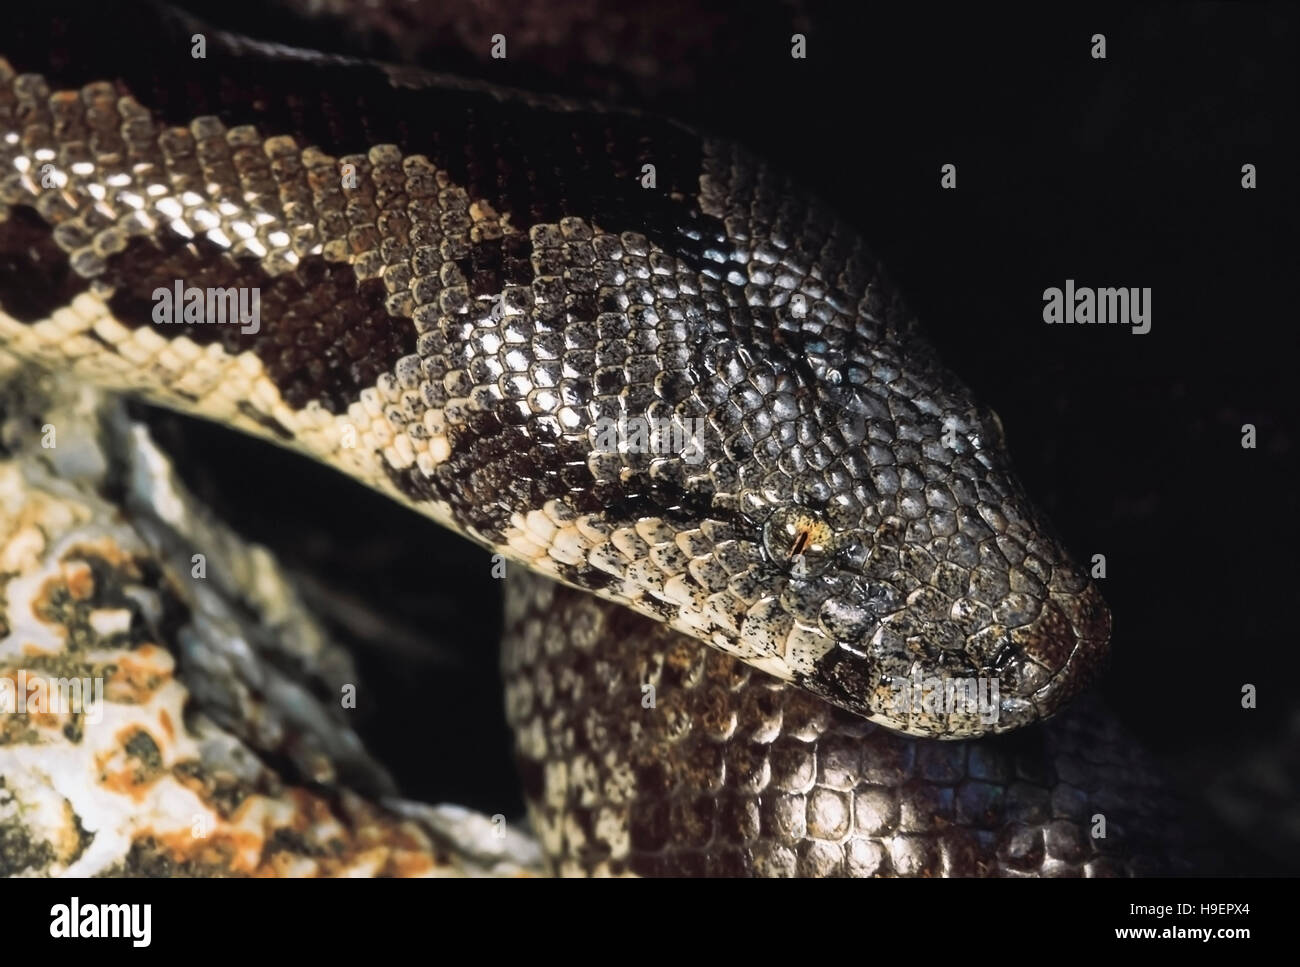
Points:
(912, 687)
(1000, 653)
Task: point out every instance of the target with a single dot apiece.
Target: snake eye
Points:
(799, 539)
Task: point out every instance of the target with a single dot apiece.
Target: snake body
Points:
(499, 309)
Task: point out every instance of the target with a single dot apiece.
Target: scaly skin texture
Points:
(462, 313)
(644, 753)
(628, 357)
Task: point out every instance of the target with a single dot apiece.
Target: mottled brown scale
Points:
(35, 277)
(735, 774)
(323, 336)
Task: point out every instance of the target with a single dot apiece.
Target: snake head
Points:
(861, 535)
(815, 494)
(891, 562)
(948, 607)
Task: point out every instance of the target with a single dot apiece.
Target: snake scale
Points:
(748, 516)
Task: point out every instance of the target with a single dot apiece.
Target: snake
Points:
(776, 601)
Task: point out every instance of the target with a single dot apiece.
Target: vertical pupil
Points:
(798, 544)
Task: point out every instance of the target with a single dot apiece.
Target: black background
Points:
(1124, 171)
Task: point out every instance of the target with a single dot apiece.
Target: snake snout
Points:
(969, 621)
(968, 662)
(1063, 648)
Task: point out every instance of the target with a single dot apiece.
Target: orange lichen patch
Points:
(134, 785)
(352, 835)
(152, 653)
(408, 863)
(228, 848)
(133, 767)
(406, 849)
(47, 721)
(301, 834)
(137, 675)
(107, 549)
(79, 579)
(74, 587)
(219, 851)
(221, 792)
(45, 604)
(31, 695)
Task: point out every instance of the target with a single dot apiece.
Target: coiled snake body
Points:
(634, 361)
